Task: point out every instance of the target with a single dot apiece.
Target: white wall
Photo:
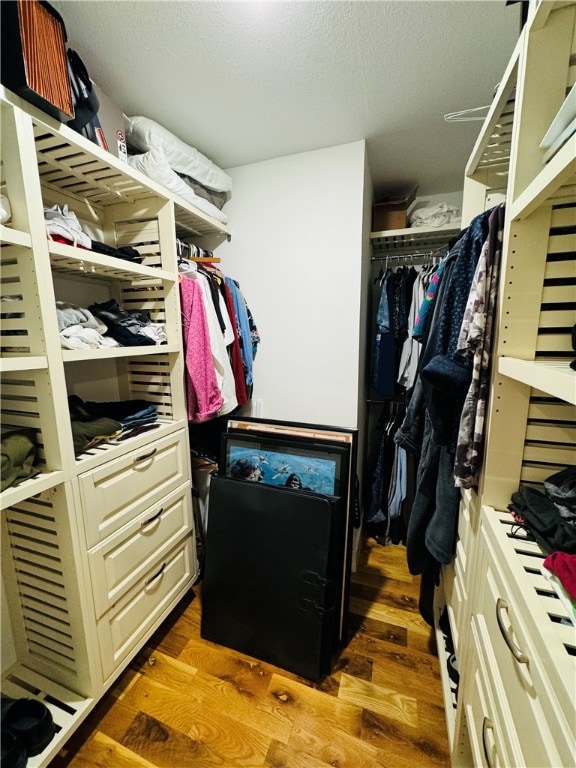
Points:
(296, 250)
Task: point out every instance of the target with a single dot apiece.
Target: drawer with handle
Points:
(119, 562)
(544, 732)
(114, 493)
(494, 743)
(142, 608)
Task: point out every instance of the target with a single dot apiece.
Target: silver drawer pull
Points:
(151, 519)
(145, 455)
(521, 658)
(487, 725)
(156, 575)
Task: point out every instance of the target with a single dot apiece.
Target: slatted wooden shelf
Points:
(68, 259)
(11, 236)
(412, 240)
(555, 378)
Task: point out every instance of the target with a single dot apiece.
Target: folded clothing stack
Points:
(18, 449)
(98, 422)
(106, 325)
(129, 328)
(80, 329)
(551, 516)
(62, 226)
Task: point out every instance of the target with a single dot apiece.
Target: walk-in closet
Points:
(288, 384)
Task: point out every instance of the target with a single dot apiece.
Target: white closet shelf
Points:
(15, 364)
(13, 236)
(190, 222)
(104, 452)
(555, 378)
(71, 165)
(77, 355)
(412, 239)
(494, 142)
(558, 173)
(35, 485)
(67, 707)
(70, 259)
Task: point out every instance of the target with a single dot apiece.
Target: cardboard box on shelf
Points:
(112, 121)
(392, 214)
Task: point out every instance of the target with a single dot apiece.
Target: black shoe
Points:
(13, 751)
(30, 722)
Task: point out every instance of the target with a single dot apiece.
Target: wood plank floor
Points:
(188, 702)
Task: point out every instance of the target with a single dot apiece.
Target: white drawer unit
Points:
(137, 613)
(487, 715)
(535, 667)
(121, 560)
(116, 492)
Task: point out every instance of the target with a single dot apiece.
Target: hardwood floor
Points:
(188, 702)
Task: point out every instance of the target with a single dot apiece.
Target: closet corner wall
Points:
(97, 548)
(515, 645)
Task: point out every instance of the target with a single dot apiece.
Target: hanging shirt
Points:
(203, 393)
(411, 348)
(476, 340)
(243, 327)
(221, 362)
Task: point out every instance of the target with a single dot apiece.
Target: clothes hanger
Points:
(467, 115)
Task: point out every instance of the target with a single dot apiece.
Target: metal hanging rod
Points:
(407, 257)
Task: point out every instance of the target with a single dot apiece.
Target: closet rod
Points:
(437, 253)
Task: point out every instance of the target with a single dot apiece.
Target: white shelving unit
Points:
(78, 611)
(515, 644)
(411, 240)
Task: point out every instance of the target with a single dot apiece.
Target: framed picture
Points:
(296, 464)
(287, 429)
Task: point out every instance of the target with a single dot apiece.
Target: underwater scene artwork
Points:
(298, 469)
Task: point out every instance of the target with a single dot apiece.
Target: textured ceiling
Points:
(249, 81)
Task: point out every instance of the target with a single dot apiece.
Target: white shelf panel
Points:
(15, 364)
(542, 11)
(554, 378)
(67, 707)
(72, 260)
(494, 141)
(72, 165)
(14, 236)
(17, 493)
(77, 355)
(104, 452)
(560, 171)
(413, 239)
(191, 221)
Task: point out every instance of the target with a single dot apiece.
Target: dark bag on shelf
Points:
(33, 59)
(86, 104)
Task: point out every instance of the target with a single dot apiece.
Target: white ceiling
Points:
(250, 81)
